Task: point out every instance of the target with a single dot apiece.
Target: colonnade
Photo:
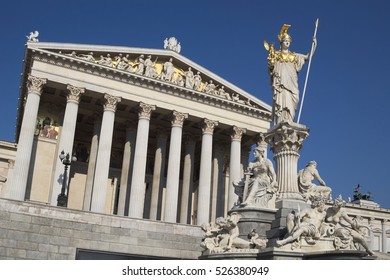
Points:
(132, 181)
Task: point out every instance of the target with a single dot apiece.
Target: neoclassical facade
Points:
(152, 134)
(145, 143)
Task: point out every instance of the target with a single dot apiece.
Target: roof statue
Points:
(33, 36)
(172, 44)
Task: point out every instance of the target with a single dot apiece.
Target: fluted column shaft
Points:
(205, 172)
(26, 137)
(66, 139)
(127, 167)
(188, 171)
(137, 193)
(285, 141)
(159, 167)
(287, 171)
(171, 198)
(235, 162)
(104, 154)
(92, 163)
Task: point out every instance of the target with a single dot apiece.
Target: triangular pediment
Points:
(162, 65)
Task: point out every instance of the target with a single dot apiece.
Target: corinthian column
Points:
(26, 137)
(173, 173)
(137, 194)
(92, 162)
(159, 167)
(127, 168)
(235, 162)
(218, 183)
(66, 139)
(286, 140)
(205, 172)
(104, 154)
(188, 171)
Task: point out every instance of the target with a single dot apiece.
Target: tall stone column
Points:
(104, 154)
(384, 236)
(205, 171)
(173, 172)
(286, 140)
(26, 137)
(127, 167)
(66, 140)
(92, 162)
(137, 193)
(159, 167)
(235, 162)
(218, 183)
(188, 171)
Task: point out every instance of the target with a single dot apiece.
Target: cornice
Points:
(81, 65)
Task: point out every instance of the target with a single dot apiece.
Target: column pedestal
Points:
(285, 140)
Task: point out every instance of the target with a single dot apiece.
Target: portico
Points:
(146, 148)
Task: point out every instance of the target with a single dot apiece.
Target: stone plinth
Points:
(285, 140)
(259, 219)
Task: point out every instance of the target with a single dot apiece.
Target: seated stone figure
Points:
(306, 223)
(307, 188)
(261, 183)
(345, 236)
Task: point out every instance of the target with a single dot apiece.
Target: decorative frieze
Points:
(74, 93)
(218, 98)
(111, 102)
(178, 118)
(35, 84)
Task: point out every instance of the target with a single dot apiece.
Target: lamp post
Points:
(62, 199)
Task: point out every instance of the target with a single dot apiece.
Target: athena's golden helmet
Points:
(283, 33)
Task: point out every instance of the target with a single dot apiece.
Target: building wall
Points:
(34, 231)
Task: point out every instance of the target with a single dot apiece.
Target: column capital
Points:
(35, 84)
(208, 126)
(145, 110)
(237, 133)
(74, 93)
(178, 118)
(286, 137)
(111, 102)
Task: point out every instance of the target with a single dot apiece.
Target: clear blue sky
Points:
(347, 98)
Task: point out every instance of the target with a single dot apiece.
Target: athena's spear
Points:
(308, 70)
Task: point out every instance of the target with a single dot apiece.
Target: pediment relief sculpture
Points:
(163, 69)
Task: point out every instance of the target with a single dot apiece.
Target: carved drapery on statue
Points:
(259, 185)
